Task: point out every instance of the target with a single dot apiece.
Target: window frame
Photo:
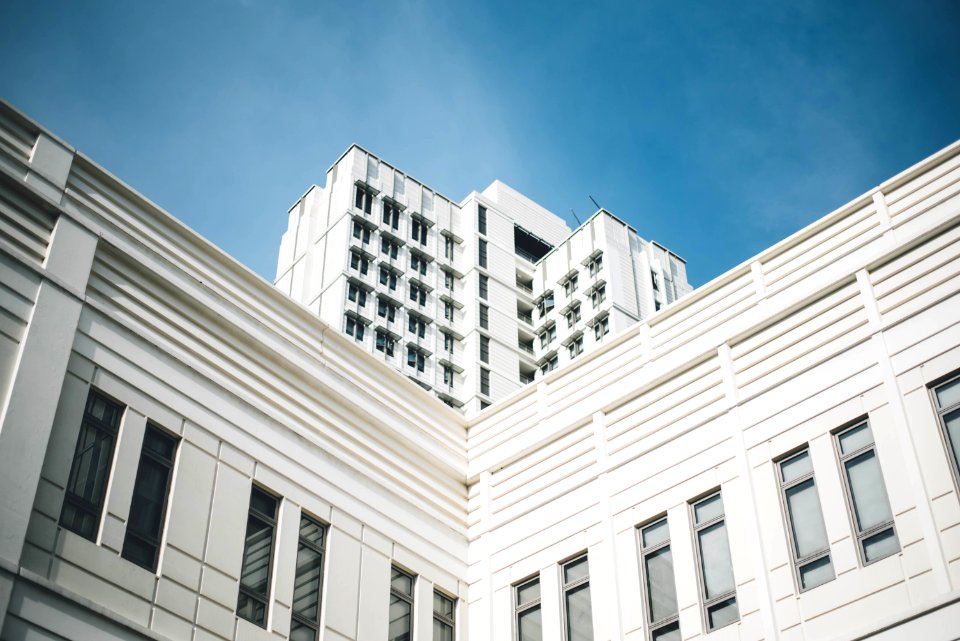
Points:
(485, 381)
(705, 602)
(439, 617)
(941, 412)
(481, 219)
(568, 587)
(272, 522)
(520, 609)
(409, 599)
(295, 617)
(482, 252)
(651, 626)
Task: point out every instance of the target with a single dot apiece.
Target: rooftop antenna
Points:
(575, 217)
(593, 201)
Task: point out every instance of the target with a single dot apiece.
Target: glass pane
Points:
(806, 519)
(661, 588)
(715, 560)
(794, 468)
(869, 495)
(655, 533)
(528, 592)
(723, 613)
(529, 626)
(149, 496)
(816, 573)
(708, 508)
(91, 462)
(442, 631)
(255, 571)
(139, 552)
(159, 443)
(312, 531)
(263, 502)
(880, 545)
(579, 619)
(401, 582)
(949, 393)
(667, 633)
(399, 620)
(442, 605)
(300, 632)
(575, 570)
(952, 422)
(854, 439)
(306, 585)
(251, 609)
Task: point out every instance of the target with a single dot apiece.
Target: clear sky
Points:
(716, 128)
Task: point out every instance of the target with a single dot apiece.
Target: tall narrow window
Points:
(363, 200)
(401, 606)
(577, 616)
(866, 493)
(529, 623)
(717, 587)
(484, 349)
(257, 557)
(481, 219)
(443, 617)
(484, 316)
(808, 536)
(484, 286)
(305, 621)
(448, 247)
(947, 396)
(87, 483)
(141, 544)
(485, 381)
(482, 253)
(659, 586)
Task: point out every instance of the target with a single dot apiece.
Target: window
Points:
(595, 265)
(808, 536)
(484, 405)
(484, 316)
(361, 232)
(484, 286)
(599, 295)
(417, 326)
(448, 310)
(527, 617)
(257, 557)
(570, 285)
(550, 364)
(573, 315)
(482, 219)
(389, 247)
(418, 230)
(418, 294)
(363, 200)
(356, 295)
(448, 279)
(601, 328)
(443, 622)
(141, 544)
(485, 349)
(656, 306)
(548, 335)
(718, 590)
(92, 459)
(575, 347)
(447, 375)
(482, 253)
(485, 381)
(545, 304)
(866, 493)
(353, 327)
(386, 310)
(359, 262)
(655, 279)
(401, 606)
(659, 585)
(418, 264)
(447, 342)
(305, 618)
(577, 618)
(947, 398)
(416, 359)
(448, 247)
(385, 342)
(391, 214)
(388, 277)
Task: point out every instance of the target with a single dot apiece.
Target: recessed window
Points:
(388, 277)
(550, 364)
(545, 304)
(417, 326)
(655, 279)
(385, 342)
(718, 590)
(577, 615)
(482, 253)
(485, 381)
(391, 214)
(573, 315)
(308, 583)
(484, 349)
(601, 328)
(448, 247)
(484, 316)
(389, 248)
(598, 296)
(527, 615)
(866, 493)
(575, 347)
(548, 335)
(947, 398)
(92, 460)
(570, 285)
(386, 309)
(363, 200)
(257, 560)
(447, 342)
(484, 286)
(356, 294)
(659, 585)
(418, 294)
(418, 264)
(482, 219)
(448, 375)
(443, 617)
(448, 279)
(151, 489)
(359, 262)
(448, 310)
(810, 548)
(361, 232)
(595, 265)
(419, 230)
(353, 327)
(401, 606)
(416, 359)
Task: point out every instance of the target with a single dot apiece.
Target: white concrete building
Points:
(187, 453)
(444, 291)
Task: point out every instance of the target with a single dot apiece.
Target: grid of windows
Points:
(528, 620)
(659, 585)
(87, 482)
(401, 606)
(141, 543)
(947, 398)
(257, 557)
(808, 536)
(717, 587)
(577, 615)
(443, 617)
(308, 583)
(866, 493)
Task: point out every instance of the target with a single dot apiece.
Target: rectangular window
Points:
(388, 247)
(359, 262)
(418, 294)
(353, 327)
(418, 264)
(417, 326)
(257, 557)
(595, 265)
(447, 375)
(484, 286)
(570, 285)
(484, 316)
(448, 310)
(361, 232)
(947, 398)
(655, 279)
(386, 310)
(443, 617)
(602, 328)
(550, 365)
(308, 583)
(363, 200)
(141, 544)
(448, 247)
(482, 253)
(92, 460)
(416, 359)
(599, 295)
(576, 347)
(808, 536)
(717, 587)
(401, 606)
(866, 493)
(385, 343)
(485, 381)
(659, 585)
(527, 617)
(448, 279)
(356, 295)
(447, 342)
(573, 315)
(577, 616)
(485, 349)
(482, 219)
(391, 214)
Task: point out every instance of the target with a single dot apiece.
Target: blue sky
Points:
(715, 128)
